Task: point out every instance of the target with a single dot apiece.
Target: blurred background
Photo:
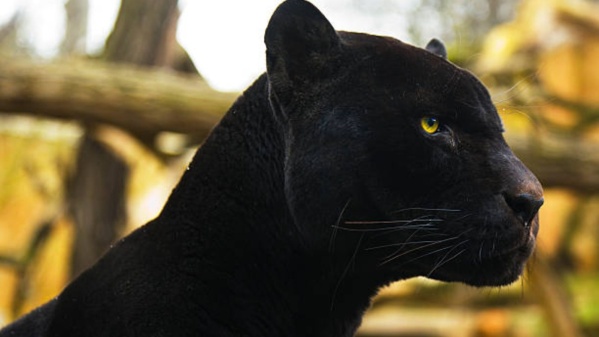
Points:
(103, 102)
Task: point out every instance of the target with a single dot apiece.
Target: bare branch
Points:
(144, 102)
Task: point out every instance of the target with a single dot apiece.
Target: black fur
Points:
(318, 187)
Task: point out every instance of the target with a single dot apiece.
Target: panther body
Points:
(355, 161)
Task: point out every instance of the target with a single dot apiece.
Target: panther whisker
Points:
(442, 260)
(439, 250)
(452, 221)
(517, 85)
(398, 244)
(445, 260)
(389, 221)
(417, 249)
(378, 229)
(345, 271)
(482, 243)
(335, 229)
(427, 254)
(391, 231)
(404, 224)
(401, 247)
(392, 255)
(426, 209)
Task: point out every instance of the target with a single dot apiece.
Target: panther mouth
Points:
(502, 267)
(524, 249)
(524, 246)
(491, 261)
(450, 244)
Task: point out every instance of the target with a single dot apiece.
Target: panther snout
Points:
(524, 205)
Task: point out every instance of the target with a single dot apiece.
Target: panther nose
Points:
(524, 205)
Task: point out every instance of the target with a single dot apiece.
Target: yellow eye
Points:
(429, 124)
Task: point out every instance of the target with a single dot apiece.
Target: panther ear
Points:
(436, 47)
(299, 43)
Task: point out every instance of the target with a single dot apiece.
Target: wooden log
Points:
(141, 101)
(560, 161)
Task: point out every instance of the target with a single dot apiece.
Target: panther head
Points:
(397, 152)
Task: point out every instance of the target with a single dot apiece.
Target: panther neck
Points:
(257, 273)
(237, 171)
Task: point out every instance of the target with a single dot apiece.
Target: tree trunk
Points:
(76, 31)
(96, 199)
(144, 34)
(9, 32)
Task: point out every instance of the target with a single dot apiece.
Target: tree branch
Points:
(146, 102)
(141, 101)
(560, 161)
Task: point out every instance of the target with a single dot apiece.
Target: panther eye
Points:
(430, 125)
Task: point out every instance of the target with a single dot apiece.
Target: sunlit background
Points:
(65, 85)
(217, 33)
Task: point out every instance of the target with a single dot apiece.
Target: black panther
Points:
(353, 162)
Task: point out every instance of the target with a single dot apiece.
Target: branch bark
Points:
(560, 161)
(144, 102)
